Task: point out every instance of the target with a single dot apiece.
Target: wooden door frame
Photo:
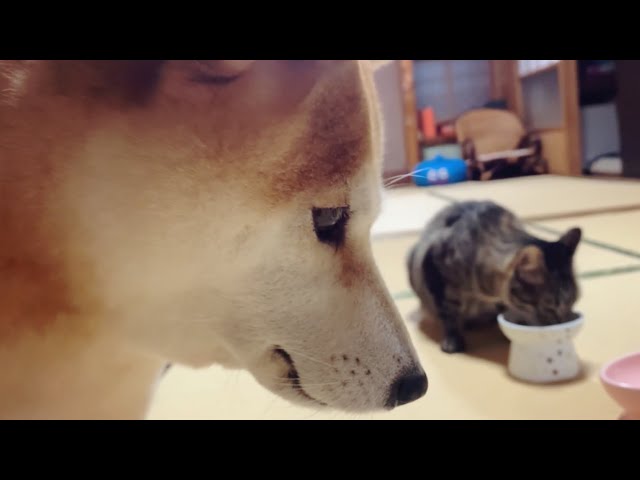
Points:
(410, 109)
(567, 71)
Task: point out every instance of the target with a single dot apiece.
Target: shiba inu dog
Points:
(197, 212)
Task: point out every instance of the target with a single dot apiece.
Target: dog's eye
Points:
(329, 224)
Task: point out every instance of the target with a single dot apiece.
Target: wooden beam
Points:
(410, 114)
(568, 86)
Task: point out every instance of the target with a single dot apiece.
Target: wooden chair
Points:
(495, 145)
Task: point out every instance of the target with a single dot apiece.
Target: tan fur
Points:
(160, 211)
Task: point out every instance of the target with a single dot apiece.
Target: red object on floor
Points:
(428, 123)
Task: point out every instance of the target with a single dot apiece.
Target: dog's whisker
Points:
(403, 175)
(392, 181)
(285, 380)
(398, 178)
(394, 187)
(313, 414)
(269, 408)
(304, 384)
(300, 354)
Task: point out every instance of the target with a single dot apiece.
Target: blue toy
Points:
(439, 171)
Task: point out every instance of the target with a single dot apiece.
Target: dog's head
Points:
(219, 211)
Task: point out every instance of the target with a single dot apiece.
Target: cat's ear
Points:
(571, 239)
(530, 265)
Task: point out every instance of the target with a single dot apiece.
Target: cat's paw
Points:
(452, 344)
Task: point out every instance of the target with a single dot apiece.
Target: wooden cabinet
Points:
(628, 107)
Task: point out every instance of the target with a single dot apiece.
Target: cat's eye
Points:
(329, 224)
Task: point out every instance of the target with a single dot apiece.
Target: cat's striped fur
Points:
(475, 259)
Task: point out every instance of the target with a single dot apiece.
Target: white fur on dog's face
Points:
(267, 283)
(187, 227)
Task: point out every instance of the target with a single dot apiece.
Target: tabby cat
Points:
(475, 260)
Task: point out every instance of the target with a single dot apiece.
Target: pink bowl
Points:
(621, 380)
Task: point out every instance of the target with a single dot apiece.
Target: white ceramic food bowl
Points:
(542, 354)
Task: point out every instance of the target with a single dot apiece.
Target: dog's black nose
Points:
(407, 388)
